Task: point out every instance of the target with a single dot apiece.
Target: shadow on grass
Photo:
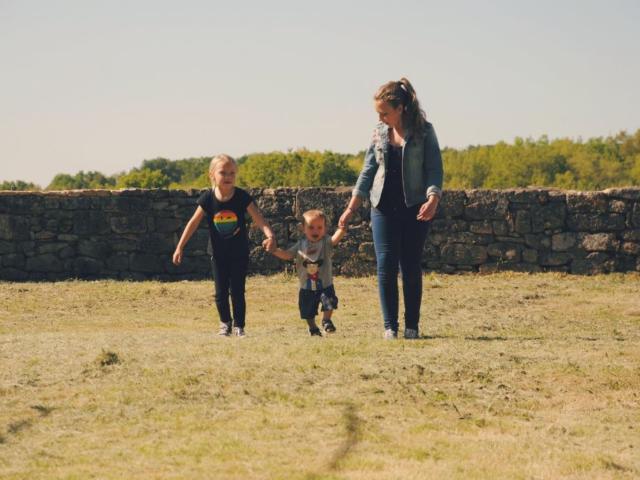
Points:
(435, 337)
(352, 427)
(486, 338)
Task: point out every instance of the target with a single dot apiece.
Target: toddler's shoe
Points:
(315, 332)
(328, 326)
(225, 329)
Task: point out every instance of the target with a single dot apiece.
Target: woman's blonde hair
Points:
(215, 161)
(401, 92)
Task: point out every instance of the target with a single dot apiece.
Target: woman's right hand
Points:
(177, 256)
(345, 217)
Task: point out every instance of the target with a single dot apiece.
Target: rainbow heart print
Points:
(226, 223)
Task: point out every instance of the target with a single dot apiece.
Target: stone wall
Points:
(131, 234)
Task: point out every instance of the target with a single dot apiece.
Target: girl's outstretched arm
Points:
(262, 224)
(283, 254)
(191, 227)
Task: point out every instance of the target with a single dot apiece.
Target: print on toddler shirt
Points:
(313, 278)
(226, 223)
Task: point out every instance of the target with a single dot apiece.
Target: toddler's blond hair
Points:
(310, 215)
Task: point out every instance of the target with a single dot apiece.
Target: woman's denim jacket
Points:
(421, 167)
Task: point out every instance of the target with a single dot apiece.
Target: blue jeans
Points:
(398, 240)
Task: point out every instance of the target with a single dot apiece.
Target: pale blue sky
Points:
(103, 85)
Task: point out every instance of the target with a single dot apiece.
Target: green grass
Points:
(516, 376)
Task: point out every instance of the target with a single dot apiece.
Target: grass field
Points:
(516, 376)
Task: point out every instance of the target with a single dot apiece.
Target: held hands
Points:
(269, 244)
(345, 218)
(428, 209)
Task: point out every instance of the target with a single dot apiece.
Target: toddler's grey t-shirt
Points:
(313, 262)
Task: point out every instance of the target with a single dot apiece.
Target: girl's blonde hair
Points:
(215, 161)
(402, 93)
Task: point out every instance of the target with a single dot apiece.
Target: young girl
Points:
(224, 208)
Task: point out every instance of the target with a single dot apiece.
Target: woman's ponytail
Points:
(402, 93)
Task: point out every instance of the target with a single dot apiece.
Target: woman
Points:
(402, 175)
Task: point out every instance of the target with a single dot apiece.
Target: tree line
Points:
(594, 164)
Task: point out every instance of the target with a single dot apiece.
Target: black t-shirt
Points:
(226, 222)
(392, 199)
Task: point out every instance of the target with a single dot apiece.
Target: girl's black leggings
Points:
(229, 275)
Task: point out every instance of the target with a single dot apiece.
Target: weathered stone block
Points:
(506, 252)
(584, 222)
(561, 242)
(593, 263)
(522, 223)
(14, 227)
(530, 255)
(13, 274)
(358, 266)
(617, 206)
(45, 236)
(631, 248)
(587, 202)
(157, 243)
(552, 259)
(67, 252)
(548, 217)
(169, 225)
(124, 244)
(460, 254)
(7, 247)
(332, 203)
(449, 225)
(527, 195)
(44, 263)
(599, 242)
(118, 262)
(451, 204)
(470, 238)
(632, 193)
(631, 235)
(129, 224)
(54, 247)
(85, 266)
(635, 215)
(277, 203)
(483, 226)
(142, 262)
(500, 227)
(90, 222)
(93, 249)
(486, 205)
(16, 260)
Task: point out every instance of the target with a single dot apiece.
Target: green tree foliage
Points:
(300, 168)
(585, 165)
(81, 180)
(19, 185)
(594, 164)
(144, 178)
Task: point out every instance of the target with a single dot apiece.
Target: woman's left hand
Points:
(428, 209)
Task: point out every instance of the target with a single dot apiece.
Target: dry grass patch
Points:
(516, 376)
